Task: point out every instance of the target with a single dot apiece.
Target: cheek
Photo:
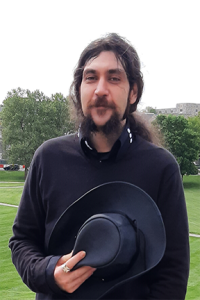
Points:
(82, 97)
(84, 103)
(86, 95)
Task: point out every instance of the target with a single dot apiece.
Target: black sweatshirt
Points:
(62, 170)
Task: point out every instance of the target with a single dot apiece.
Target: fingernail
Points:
(83, 254)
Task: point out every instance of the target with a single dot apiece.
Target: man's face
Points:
(105, 89)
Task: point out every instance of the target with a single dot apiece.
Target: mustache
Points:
(102, 102)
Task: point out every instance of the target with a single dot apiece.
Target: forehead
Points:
(105, 61)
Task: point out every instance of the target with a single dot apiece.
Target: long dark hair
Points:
(130, 61)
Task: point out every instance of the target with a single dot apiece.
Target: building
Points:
(184, 109)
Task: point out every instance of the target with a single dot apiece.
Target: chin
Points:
(101, 119)
(104, 124)
(100, 124)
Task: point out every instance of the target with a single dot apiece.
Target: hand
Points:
(70, 281)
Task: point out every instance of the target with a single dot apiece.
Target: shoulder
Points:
(55, 146)
(70, 139)
(155, 155)
(144, 146)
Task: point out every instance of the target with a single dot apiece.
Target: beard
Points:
(112, 126)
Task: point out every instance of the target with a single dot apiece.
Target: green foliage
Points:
(181, 140)
(29, 119)
(194, 124)
(150, 109)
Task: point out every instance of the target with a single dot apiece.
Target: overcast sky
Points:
(41, 42)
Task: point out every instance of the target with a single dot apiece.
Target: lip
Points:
(101, 106)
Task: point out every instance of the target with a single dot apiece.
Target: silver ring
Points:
(65, 268)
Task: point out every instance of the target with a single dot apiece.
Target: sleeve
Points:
(168, 280)
(28, 241)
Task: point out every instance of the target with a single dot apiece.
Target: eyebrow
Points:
(89, 71)
(111, 71)
(116, 71)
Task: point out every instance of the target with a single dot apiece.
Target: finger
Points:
(70, 281)
(74, 284)
(63, 259)
(67, 256)
(71, 262)
(73, 275)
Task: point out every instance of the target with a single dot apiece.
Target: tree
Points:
(150, 109)
(194, 124)
(181, 140)
(29, 119)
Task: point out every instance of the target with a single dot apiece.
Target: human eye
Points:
(90, 78)
(114, 79)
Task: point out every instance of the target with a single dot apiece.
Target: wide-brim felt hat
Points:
(121, 229)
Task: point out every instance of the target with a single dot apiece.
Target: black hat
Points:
(120, 228)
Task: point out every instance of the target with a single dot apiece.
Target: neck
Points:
(104, 143)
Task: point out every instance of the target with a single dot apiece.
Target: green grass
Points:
(192, 195)
(11, 184)
(11, 286)
(12, 176)
(193, 291)
(10, 195)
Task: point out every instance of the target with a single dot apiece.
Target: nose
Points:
(101, 88)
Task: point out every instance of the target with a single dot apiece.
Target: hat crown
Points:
(110, 242)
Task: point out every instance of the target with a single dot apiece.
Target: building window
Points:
(181, 110)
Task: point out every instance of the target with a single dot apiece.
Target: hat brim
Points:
(111, 197)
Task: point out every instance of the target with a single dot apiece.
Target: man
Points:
(111, 145)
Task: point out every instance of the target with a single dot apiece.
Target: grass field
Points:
(192, 194)
(11, 184)
(12, 176)
(11, 286)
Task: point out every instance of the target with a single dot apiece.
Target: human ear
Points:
(133, 94)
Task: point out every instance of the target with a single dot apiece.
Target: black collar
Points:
(119, 148)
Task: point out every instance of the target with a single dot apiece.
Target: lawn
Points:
(11, 184)
(12, 176)
(10, 195)
(192, 195)
(193, 292)
(12, 287)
